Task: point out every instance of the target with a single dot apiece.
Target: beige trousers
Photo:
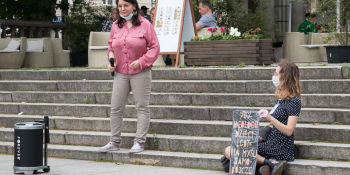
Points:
(140, 85)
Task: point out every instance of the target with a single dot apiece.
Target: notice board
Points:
(244, 143)
(174, 24)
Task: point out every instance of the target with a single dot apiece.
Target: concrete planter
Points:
(228, 52)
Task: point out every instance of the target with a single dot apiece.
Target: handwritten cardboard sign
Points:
(244, 143)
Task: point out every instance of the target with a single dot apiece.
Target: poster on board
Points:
(244, 143)
(174, 24)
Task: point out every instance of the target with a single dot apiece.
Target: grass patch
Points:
(86, 101)
(251, 104)
(155, 140)
(242, 64)
(347, 72)
(182, 66)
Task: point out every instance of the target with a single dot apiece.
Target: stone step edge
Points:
(174, 121)
(184, 137)
(124, 134)
(273, 67)
(171, 106)
(164, 81)
(169, 93)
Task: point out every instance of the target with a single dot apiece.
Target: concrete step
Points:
(308, 115)
(322, 150)
(304, 149)
(180, 159)
(151, 157)
(154, 141)
(319, 167)
(310, 132)
(325, 86)
(216, 145)
(207, 99)
(247, 73)
(64, 166)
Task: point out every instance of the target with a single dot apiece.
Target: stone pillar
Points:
(298, 15)
(245, 6)
(270, 14)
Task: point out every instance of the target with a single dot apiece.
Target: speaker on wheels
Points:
(28, 146)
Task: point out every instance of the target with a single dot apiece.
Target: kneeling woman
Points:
(279, 144)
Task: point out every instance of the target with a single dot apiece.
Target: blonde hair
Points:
(289, 85)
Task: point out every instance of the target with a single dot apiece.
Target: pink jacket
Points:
(135, 43)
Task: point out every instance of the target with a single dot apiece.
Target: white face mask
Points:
(275, 80)
(127, 17)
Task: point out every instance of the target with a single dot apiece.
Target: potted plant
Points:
(229, 47)
(339, 53)
(226, 45)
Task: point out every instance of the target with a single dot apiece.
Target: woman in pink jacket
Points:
(134, 45)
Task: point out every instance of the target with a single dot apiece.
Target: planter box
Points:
(338, 54)
(228, 52)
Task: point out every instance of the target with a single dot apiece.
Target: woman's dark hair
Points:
(135, 18)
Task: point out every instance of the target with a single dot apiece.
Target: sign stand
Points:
(174, 25)
(244, 144)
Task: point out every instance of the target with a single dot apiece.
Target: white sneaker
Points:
(136, 148)
(110, 147)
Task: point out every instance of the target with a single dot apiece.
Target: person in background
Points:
(153, 14)
(134, 45)
(279, 144)
(207, 18)
(107, 24)
(308, 25)
(144, 10)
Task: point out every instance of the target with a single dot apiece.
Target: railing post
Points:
(47, 32)
(12, 28)
(31, 29)
(22, 31)
(56, 33)
(40, 31)
(3, 33)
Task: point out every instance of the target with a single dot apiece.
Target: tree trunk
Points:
(346, 32)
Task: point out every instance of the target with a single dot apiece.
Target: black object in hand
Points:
(111, 61)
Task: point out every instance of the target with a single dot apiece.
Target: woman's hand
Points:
(263, 113)
(110, 68)
(135, 64)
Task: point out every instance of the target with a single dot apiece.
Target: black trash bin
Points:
(28, 146)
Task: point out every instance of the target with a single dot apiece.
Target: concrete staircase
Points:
(191, 111)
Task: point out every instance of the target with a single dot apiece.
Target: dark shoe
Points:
(225, 163)
(278, 168)
(264, 170)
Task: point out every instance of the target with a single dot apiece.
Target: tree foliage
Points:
(39, 10)
(327, 15)
(82, 19)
